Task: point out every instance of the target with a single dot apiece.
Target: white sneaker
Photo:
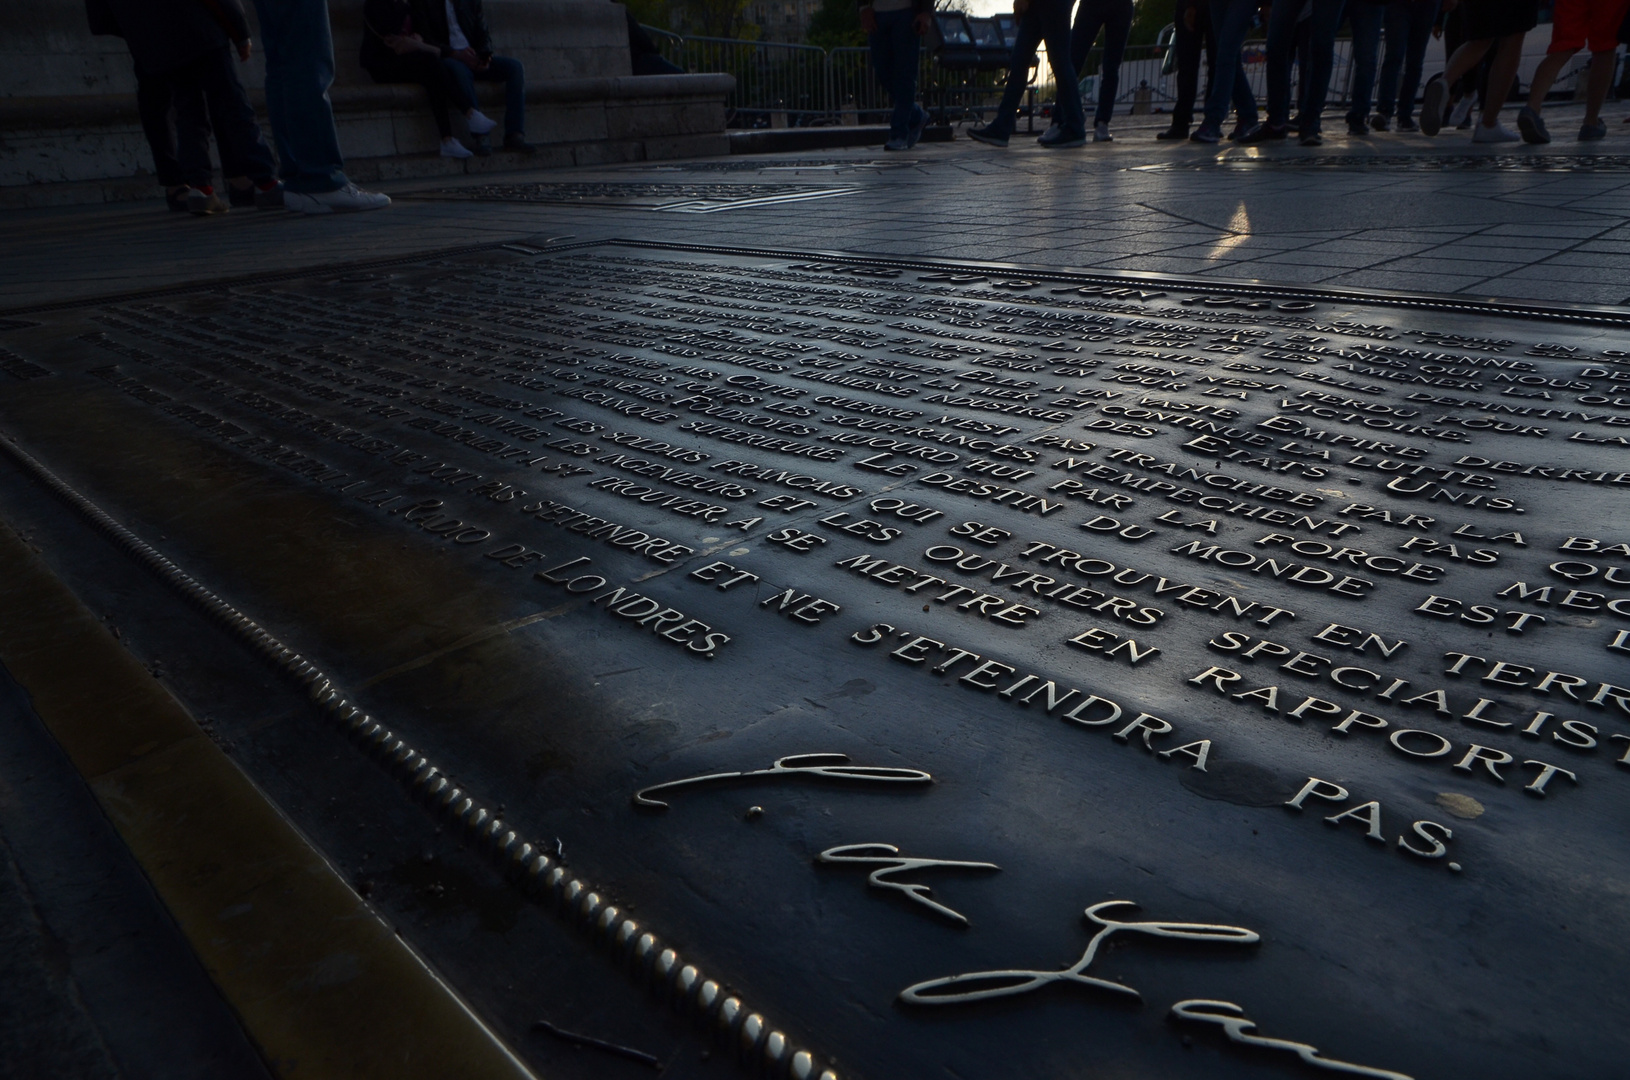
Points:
(480, 123)
(1499, 133)
(1462, 109)
(348, 198)
(454, 149)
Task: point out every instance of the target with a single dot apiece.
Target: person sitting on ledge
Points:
(459, 29)
(395, 51)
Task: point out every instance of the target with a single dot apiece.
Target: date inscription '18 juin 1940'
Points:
(1298, 614)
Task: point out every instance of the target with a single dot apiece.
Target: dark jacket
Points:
(430, 19)
(165, 34)
(918, 7)
(382, 19)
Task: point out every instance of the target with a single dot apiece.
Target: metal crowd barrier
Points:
(781, 85)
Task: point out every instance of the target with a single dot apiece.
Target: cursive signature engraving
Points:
(819, 766)
(984, 985)
(888, 860)
(1231, 1018)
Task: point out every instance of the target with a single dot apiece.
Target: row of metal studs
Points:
(536, 874)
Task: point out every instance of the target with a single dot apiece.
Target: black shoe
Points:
(1267, 133)
(1175, 133)
(989, 134)
(516, 144)
(1243, 131)
(1311, 138)
(1357, 128)
(177, 200)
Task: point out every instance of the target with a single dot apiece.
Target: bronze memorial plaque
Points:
(908, 669)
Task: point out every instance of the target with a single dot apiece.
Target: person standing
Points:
(1497, 25)
(1409, 30)
(299, 69)
(186, 86)
(1193, 32)
(1049, 21)
(1576, 24)
(1114, 17)
(894, 29)
(1324, 19)
(1231, 20)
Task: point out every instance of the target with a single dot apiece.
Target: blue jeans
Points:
(1315, 79)
(1409, 31)
(1114, 17)
(299, 70)
(1367, 18)
(1231, 21)
(501, 69)
(1049, 21)
(894, 58)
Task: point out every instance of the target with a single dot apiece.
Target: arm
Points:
(473, 19)
(229, 13)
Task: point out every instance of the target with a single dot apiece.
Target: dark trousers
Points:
(429, 72)
(202, 96)
(894, 57)
(1366, 19)
(1230, 22)
(1189, 44)
(500, 69)
(1409, 31)
(1315, 78)
(299, 50)
(1114, 18)
(155, 104)
(1049, 21)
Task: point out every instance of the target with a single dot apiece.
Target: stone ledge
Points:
(144, 187)
(88, 110)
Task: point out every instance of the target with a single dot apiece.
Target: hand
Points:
(245, 48)
(469, 59)
(1020, 7)
(1191, 19)
(921, 23)
(399, 45)
(868, 20)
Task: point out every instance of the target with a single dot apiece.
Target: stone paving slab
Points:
(1390, 210)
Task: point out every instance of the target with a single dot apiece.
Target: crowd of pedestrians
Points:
(1483, 44)
(188, 90)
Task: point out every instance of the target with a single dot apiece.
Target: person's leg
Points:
(1089, 19)
(1507, 56)
(1281, 49)
(1570, 32)
(299, 50)
(244, 152)
(1018, 78)
(1117, 28)
(1326, 20)
(1055, 30)
(1231, 20)
(1395, 24)
(154, 105)
(512, 74)
(887, 59)
(1366, 18)
(1187, 42)
(426, 70)
(191, 128)
(1601, 81)
(1422, 15)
